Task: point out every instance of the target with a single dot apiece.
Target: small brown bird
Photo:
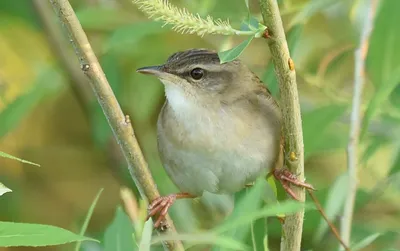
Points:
(219, 128)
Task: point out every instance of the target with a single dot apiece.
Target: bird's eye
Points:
(197, 73)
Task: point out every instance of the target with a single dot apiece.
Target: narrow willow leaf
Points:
(319, 120)
(250, 24)
(286, 207)
(247, 4)
(380, 96)
(375, 143)
(88, 217)
(334, 204)
(232, 54)
(125, 38)
(384, 53)
(146, 236)
(48, 81)
(396, 164)
(310, 9)
(203, 238)
(119, 236)
(35, 235)
(249, 202)
(111, 18)
(365, 242)
(6, 155)
(4, 189)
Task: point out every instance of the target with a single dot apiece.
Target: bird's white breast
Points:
(223, 154)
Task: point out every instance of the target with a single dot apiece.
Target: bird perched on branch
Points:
(219, 129)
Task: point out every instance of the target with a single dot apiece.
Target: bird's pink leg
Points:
(162, 204)
(286, 178)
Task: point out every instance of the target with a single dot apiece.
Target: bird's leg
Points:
(286, 178)
(162, 204)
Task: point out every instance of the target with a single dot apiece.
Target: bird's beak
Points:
(152, 70)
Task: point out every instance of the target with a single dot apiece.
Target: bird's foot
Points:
(286, 178)
(161, 205)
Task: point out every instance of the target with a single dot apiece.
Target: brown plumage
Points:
(219, 129)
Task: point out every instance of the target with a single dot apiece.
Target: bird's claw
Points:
(286, 178)
(160, 206)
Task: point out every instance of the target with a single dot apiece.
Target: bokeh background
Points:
(49, 115)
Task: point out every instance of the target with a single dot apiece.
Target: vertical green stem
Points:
(292, 129)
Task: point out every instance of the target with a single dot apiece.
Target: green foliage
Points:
(310, 9)
(334, 204)
(119, 236)
(4, 189)
(145, 242)
(123, 41)
(231, 54)
(383, 58)
(35, 235)
(9, 156)
(88, 217)
(126, 37)
(320, 120)
(203, 238)
(365, 242)
(47, 82)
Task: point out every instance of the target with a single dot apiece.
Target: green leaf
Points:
(125, 38)
(87, 218)
(380, 96)
(247, 4)
(232, 54)
(47, 82)
(35, 235)
(146, 236)
(334, 204)
(250, 24)
(318, 120)
(365, 242)
(384, 53)
(100, 18)
(203, 238)
(4, 189)
(383, 58)
(310, 9)
(6, 155)
(374, 144)
(118, 236)
(396, 164)
(248, 201)
(286, 207)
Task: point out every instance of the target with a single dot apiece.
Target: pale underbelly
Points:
(215, 172)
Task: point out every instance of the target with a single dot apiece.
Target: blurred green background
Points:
(49, 115)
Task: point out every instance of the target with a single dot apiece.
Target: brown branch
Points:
(331, 226)
(292, 128)
(59, 44)
(119, 123)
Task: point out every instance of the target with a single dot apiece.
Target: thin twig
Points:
(59, 44)
(352, 156)
(331, 226)
(292, 128)
(119, 123)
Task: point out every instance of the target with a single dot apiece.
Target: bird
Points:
(218, 130)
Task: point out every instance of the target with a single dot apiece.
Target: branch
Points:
(352, 159)
(292, 128)
(119, 123)
(64, 52)
(331, 226)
